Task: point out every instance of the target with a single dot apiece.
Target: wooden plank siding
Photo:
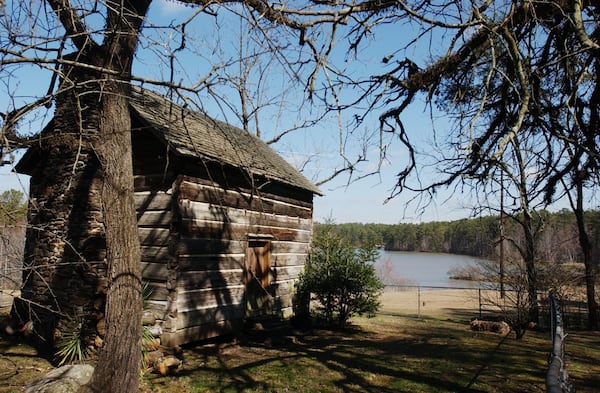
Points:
(210, 279)
(156, 272)
(202, 332)
(206, 315)
(153, 200)
(211, 297)
(210, 262)
(194, 238)
(212, 204)
(193, 213)
(201, 190)
(214, 227)
(154, 212)
(154, 236)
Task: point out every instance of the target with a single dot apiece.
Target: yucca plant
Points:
(147, 338)
(146, 293)
(73, 346)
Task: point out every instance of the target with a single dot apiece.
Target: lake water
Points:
(424, 269)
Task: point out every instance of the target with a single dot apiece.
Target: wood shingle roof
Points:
(195, 135)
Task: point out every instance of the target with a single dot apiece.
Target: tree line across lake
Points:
(13, 211)
(479, 237)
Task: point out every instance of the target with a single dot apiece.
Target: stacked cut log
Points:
(157, 358)
(97, 314)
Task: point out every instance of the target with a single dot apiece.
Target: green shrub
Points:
(341, 278)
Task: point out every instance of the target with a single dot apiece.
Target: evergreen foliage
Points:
(341, 278)
(477, 237)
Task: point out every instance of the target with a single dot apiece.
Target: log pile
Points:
(500, 327)
(156, 358)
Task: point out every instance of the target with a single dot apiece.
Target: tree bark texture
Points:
(588, 259)
(530, 265)
(88, 194)
(120, 358)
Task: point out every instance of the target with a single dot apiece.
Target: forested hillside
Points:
(13, 208)
(557, 237)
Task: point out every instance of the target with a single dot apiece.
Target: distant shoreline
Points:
(432, 252)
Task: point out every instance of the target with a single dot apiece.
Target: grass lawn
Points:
(385, 354)
(388, 353)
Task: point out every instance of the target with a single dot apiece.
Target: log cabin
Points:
(224, 224)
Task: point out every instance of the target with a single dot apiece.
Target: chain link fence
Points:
(479, 302)
(431, 301)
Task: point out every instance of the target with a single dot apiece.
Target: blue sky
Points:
(361, 201)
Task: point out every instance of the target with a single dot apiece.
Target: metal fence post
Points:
(480, 305)
(419, 302)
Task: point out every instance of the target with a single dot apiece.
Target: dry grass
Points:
(384, 354)
(19, 364)
(430, 302)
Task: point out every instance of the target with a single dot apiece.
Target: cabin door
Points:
(258, 277)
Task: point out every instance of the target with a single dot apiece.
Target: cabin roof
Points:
(196, 135)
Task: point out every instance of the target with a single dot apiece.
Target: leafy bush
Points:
(341, 278)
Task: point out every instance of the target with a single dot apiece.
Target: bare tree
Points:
(527, 191)
(489, 77)
(507, 73)
(12, 236)
(574, 188)
(88, 50)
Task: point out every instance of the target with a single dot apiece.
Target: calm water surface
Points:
(425, 269)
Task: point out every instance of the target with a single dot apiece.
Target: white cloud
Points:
(169, 7)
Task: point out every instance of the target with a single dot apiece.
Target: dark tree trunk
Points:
(588, 259)
(528, 251)
(91, 144)
(120, 358)
(530, 265)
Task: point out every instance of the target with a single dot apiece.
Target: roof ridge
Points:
(194, 134)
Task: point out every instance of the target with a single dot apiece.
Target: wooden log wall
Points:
(155, 215)
(214, 225)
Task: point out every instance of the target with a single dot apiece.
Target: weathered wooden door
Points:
(258, 277)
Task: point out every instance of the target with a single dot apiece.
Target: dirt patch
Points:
(19, 364)
(431, 302)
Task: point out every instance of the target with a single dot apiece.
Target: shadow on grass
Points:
(392, 355)
(20, 363)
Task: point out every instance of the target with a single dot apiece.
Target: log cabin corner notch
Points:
(224, 223)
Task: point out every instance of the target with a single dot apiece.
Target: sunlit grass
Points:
(386, 354)
(383, 354)
(19, 364)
